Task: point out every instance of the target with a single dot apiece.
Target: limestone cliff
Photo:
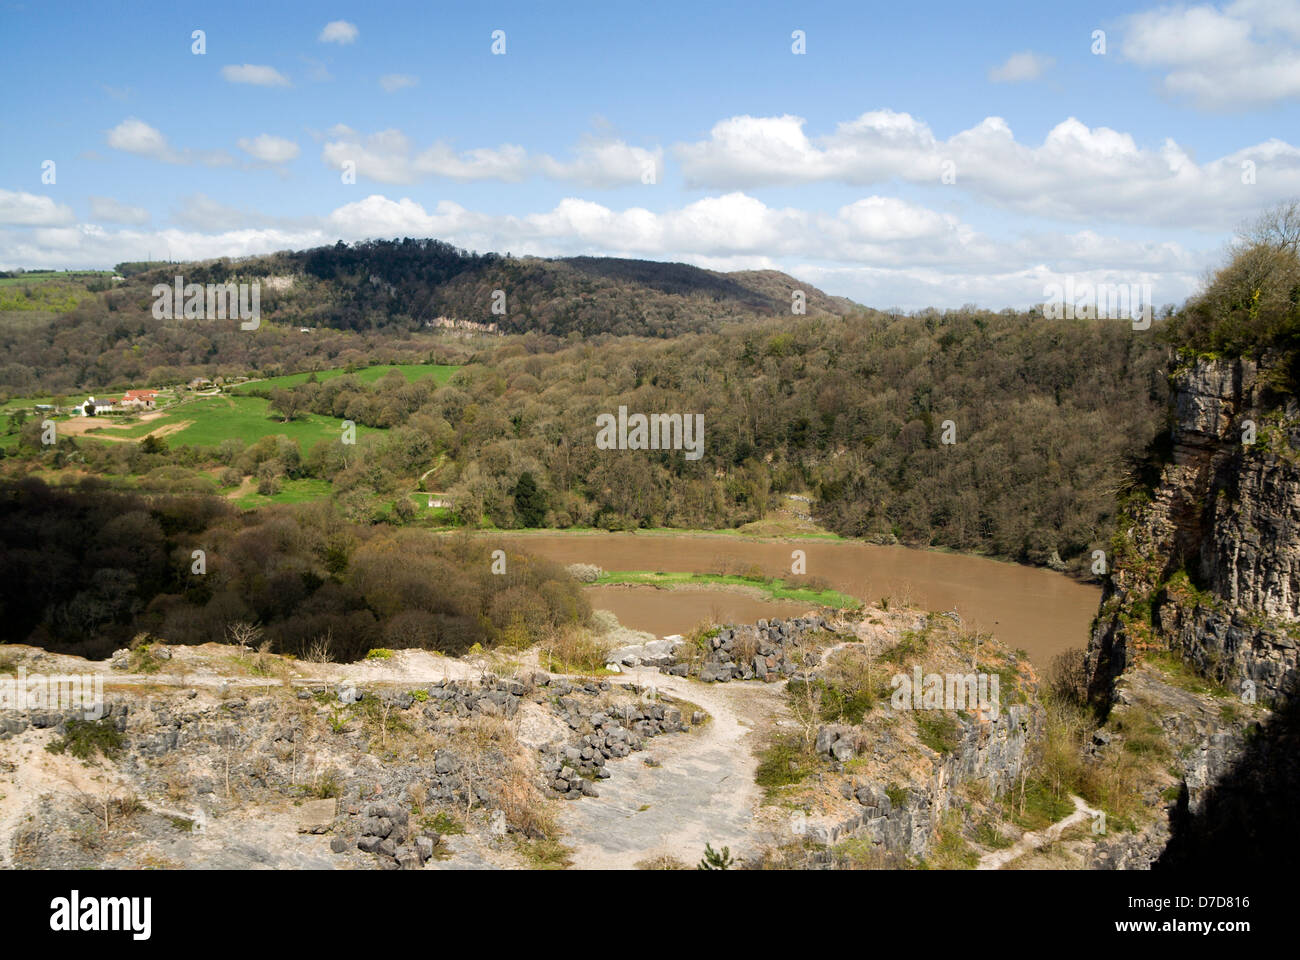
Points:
(1198, 626)
(1207, 562)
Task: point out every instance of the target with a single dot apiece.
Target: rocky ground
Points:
(753, 738)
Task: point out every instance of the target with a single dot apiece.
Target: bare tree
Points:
(1277, 227)
(243, 633)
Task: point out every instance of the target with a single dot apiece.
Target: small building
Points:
(93, 407)
(139, 400)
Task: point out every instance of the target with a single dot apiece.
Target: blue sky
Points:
(922, 154)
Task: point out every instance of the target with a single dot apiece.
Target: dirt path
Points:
(1040, 838)
(702, 792)
(246, 486)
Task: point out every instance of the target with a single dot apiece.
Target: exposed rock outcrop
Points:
(1206, 566)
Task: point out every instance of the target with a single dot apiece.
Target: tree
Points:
(1277, 227)
(530, 501)
(287, 403)
(153, 444)
(713, 860)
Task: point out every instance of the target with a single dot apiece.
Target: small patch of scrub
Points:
(987, 835)
(443, 823)
(937, 730)
(1035, 806)
(664, 861)
(544, 853)
(85, 738)
(784, 762)
(952, 851)
(1182, 675)
(379, 653)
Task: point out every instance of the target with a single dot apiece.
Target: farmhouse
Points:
(139, 400)
(93, 407)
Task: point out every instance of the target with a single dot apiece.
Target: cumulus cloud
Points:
(1020, 67)
(257, 75)
(269, 149)
(339, 31)
(392, 82)
(605, 163)
(879, 250)
(389, 157)
(32, 210)
(1076, 173)
(109, 210)
(135, 136)
(1245, 53)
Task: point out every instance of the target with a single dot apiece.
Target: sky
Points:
(903, 155)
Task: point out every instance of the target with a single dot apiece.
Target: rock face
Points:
(1209, 566)
(768, 650)
(902, 820)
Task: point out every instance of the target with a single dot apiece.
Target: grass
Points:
(443, 823)
(441, 373)
(784, 762)
(85, 738)
(214, 419)
(544, 853)
(837, 704)
(937, 730)
(1040, 807)
(303, 490)
(952, 851)
(1181, 674)
(772, 587)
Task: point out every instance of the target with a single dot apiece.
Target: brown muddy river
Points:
(1036, 610)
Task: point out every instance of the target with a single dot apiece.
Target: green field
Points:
(248, 418)
(291, 491)
(441, 373)
(48, 291)
(772, 588)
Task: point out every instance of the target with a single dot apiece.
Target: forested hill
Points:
(369, 302)
(406, 283)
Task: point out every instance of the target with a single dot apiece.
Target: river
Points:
(1029, 608)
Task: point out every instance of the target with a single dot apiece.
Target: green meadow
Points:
(291, 491)
(771, 587)
(441, 373)
(249, 418)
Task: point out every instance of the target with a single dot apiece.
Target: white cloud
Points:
(269, 149)
(255, 74)
(392, 82)
(32, 210)
(339, 31)
(108, 210)
(1020, 67)
(1077, 173)
(880, 250)
(605, 163)
(135, 136)
(388, 157)
(1246, 53)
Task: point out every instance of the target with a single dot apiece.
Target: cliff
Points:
(1198, 626)
(1207, 562)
